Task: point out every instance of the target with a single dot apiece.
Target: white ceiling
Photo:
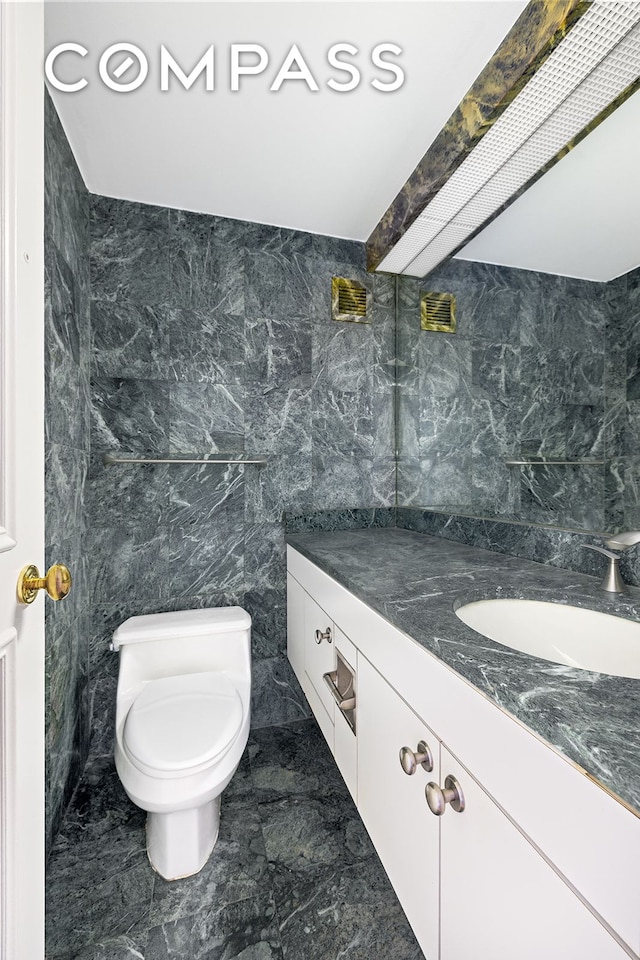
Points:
(326, 162)
(581, 219)
(323, 162)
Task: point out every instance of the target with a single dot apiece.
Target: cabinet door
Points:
(295, 626)
(499, 898)
(345, 741)
(392, 804)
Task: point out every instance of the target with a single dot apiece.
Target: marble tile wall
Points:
(67, 346)
(357, 519)
(528, 373)
(554, 546)
(212, 335)
(623, 408)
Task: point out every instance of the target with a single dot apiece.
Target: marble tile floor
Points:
(293, 876)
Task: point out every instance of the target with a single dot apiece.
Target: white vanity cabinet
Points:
(541, 862)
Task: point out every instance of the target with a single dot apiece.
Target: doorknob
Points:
(57, 582)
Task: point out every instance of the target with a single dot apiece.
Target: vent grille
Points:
(438, 312)
(349, 300)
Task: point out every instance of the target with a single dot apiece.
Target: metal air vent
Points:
(438, 312)
(350, 300)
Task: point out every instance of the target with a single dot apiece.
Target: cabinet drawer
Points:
(319, 650)
(325, 722)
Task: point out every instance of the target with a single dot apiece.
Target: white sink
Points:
(568, 635)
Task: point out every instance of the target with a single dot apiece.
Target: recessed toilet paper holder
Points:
(341, 684)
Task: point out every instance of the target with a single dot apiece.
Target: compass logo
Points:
(124, 67)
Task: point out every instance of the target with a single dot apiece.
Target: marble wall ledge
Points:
(555, 463)
(110, 459)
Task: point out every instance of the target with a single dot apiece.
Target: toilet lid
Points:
(180, 722)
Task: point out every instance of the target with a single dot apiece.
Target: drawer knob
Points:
(409, 759)
(320, 636)
(438, 799)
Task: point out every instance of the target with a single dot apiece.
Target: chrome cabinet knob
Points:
(320, 636)
(409, 759)
(438, 799)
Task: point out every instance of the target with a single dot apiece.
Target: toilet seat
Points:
(180, 724)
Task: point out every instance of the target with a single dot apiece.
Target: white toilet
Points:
(182, 723)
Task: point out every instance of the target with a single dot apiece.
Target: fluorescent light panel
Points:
(597, 60)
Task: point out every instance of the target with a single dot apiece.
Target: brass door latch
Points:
(57, 582)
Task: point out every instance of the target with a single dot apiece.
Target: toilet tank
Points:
(186, 641)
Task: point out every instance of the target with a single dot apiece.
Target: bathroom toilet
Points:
(182, 723)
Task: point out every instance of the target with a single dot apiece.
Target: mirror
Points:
(541, 367)
(530, 410)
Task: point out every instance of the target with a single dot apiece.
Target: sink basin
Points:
(568, 635)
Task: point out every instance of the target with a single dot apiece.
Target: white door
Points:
(21, 482)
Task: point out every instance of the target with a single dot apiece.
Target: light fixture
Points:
(593, 68)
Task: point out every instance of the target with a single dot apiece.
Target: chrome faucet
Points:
(623, 541)
(612, 582)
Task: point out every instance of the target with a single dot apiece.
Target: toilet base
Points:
(180, 843)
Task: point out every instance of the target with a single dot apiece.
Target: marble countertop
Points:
(414, 581)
